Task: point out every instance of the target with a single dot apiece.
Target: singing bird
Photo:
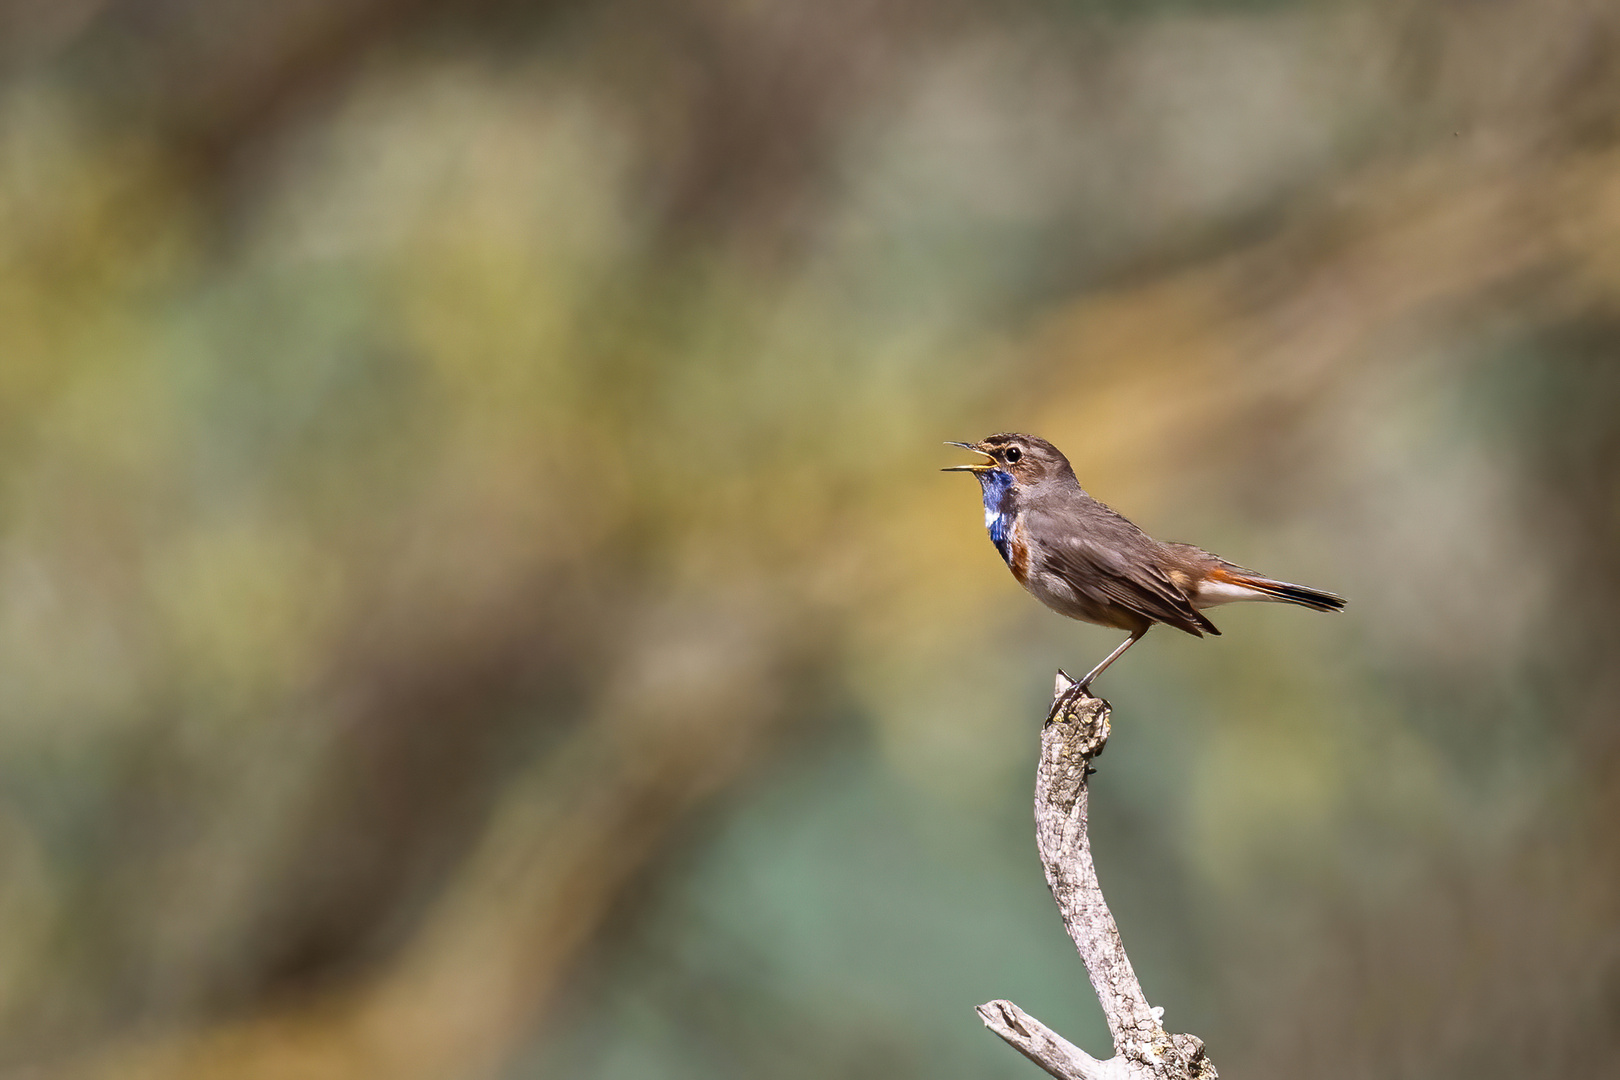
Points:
(1084, 560)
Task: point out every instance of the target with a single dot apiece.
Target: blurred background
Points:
(477, 599)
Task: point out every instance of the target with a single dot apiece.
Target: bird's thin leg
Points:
(1111, 657)
(1083, 686)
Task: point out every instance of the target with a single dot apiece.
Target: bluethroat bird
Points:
(1083, 560)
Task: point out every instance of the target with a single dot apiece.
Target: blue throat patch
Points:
(996, 485)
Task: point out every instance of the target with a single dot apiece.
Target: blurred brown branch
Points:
(1142, 1048)
(692, 707)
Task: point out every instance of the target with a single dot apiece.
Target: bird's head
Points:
(1025, 460)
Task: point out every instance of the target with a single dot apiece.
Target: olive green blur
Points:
(478, 599)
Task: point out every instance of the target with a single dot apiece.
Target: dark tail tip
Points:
(1315, 599)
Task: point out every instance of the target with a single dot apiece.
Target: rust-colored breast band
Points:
(1018, 552)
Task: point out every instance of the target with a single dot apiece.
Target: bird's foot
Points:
(1067, 693)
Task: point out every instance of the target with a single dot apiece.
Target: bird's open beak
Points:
(980, 467)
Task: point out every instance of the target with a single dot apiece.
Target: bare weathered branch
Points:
(1045, 1047)
(1075, 735)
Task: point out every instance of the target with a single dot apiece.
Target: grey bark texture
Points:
(1076, 733)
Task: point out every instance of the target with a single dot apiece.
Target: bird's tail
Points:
(1315, 599)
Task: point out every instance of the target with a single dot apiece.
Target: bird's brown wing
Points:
(1111, 562)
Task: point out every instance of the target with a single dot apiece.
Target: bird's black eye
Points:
(1012, 454)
